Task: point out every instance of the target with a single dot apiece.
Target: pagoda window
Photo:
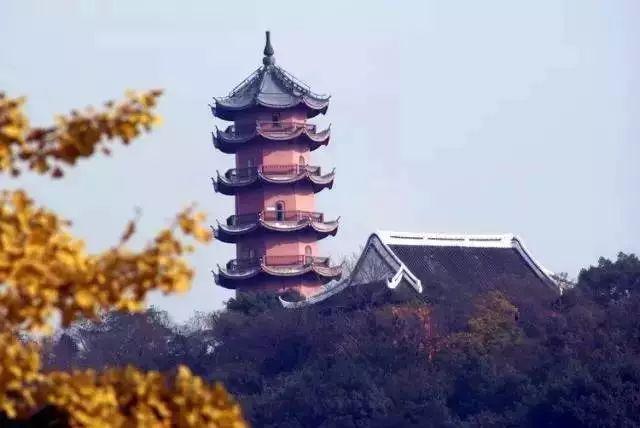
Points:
(275, 118)
(280, 211)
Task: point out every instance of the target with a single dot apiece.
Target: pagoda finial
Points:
(268, 51)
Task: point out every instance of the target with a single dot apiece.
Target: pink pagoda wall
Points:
(295, 197)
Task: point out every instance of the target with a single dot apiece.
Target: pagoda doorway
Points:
(280, 214)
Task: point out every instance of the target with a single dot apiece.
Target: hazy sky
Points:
(447, 116)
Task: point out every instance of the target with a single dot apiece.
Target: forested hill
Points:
(500, 356)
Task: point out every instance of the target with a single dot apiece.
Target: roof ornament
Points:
(268, 51)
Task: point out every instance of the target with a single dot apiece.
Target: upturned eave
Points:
(222, 184)
(233, 234)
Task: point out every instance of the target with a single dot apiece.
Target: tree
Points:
(611, 281)
(511, 355)
(141, 339)
(371, 356)
(46, 271)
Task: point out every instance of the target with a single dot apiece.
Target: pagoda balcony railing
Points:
(275, 216)
(240, 265)
(272, 127)
(286, 126)
(271, 170)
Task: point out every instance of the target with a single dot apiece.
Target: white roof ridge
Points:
(496, 240)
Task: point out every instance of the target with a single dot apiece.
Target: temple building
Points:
(428, 264)
(275, 226)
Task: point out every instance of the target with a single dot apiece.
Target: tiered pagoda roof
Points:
(293, 132)
(239, 270)
(238, 179)
(239, 226)
(272, 87)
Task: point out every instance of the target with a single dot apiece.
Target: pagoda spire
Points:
(268, 59)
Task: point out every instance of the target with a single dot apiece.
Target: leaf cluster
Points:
(80, 134)
(47, 273)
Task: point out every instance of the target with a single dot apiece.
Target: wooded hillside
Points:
(374, 357)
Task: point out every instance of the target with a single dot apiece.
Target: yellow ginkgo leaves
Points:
(77, 135)
(19, 368)
(127, 397)
(46, 271)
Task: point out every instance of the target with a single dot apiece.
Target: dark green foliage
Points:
(611, 281)
(253, 303)
(372, 357)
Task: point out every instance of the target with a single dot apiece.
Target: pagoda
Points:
(275, 227)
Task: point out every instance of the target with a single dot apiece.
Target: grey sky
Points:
(449, 116)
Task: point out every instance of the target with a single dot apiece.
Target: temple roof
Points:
(424, 260)
(272, 87)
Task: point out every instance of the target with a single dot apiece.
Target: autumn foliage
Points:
(46, 272)
(46, 150)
